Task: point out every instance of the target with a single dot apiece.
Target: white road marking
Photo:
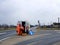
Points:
(2, 33)
(32, 35)
(4, 39)
(58, 31)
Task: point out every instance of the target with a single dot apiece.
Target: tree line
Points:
(5, 26)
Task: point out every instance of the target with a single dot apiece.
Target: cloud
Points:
(32, 10)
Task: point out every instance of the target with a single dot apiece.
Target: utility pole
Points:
(38, 23)
(58, 23)
(58, 19)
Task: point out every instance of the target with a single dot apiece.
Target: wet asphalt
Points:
(49, 39)
(8, 33)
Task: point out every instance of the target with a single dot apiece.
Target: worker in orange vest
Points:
(19, 29)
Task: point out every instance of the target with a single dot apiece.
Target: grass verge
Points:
(3, 30)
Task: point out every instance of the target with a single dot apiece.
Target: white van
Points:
(26, 26)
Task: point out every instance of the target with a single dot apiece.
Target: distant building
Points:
(56, 25)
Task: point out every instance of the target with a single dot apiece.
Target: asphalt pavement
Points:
(7, 34)
(49, 37)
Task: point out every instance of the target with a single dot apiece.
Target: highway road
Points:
(7, 34)
(49, 37)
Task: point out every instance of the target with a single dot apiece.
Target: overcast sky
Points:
(47, 11)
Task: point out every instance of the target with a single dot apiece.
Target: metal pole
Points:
(58, 19)
(58, 23)
(38, 23)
